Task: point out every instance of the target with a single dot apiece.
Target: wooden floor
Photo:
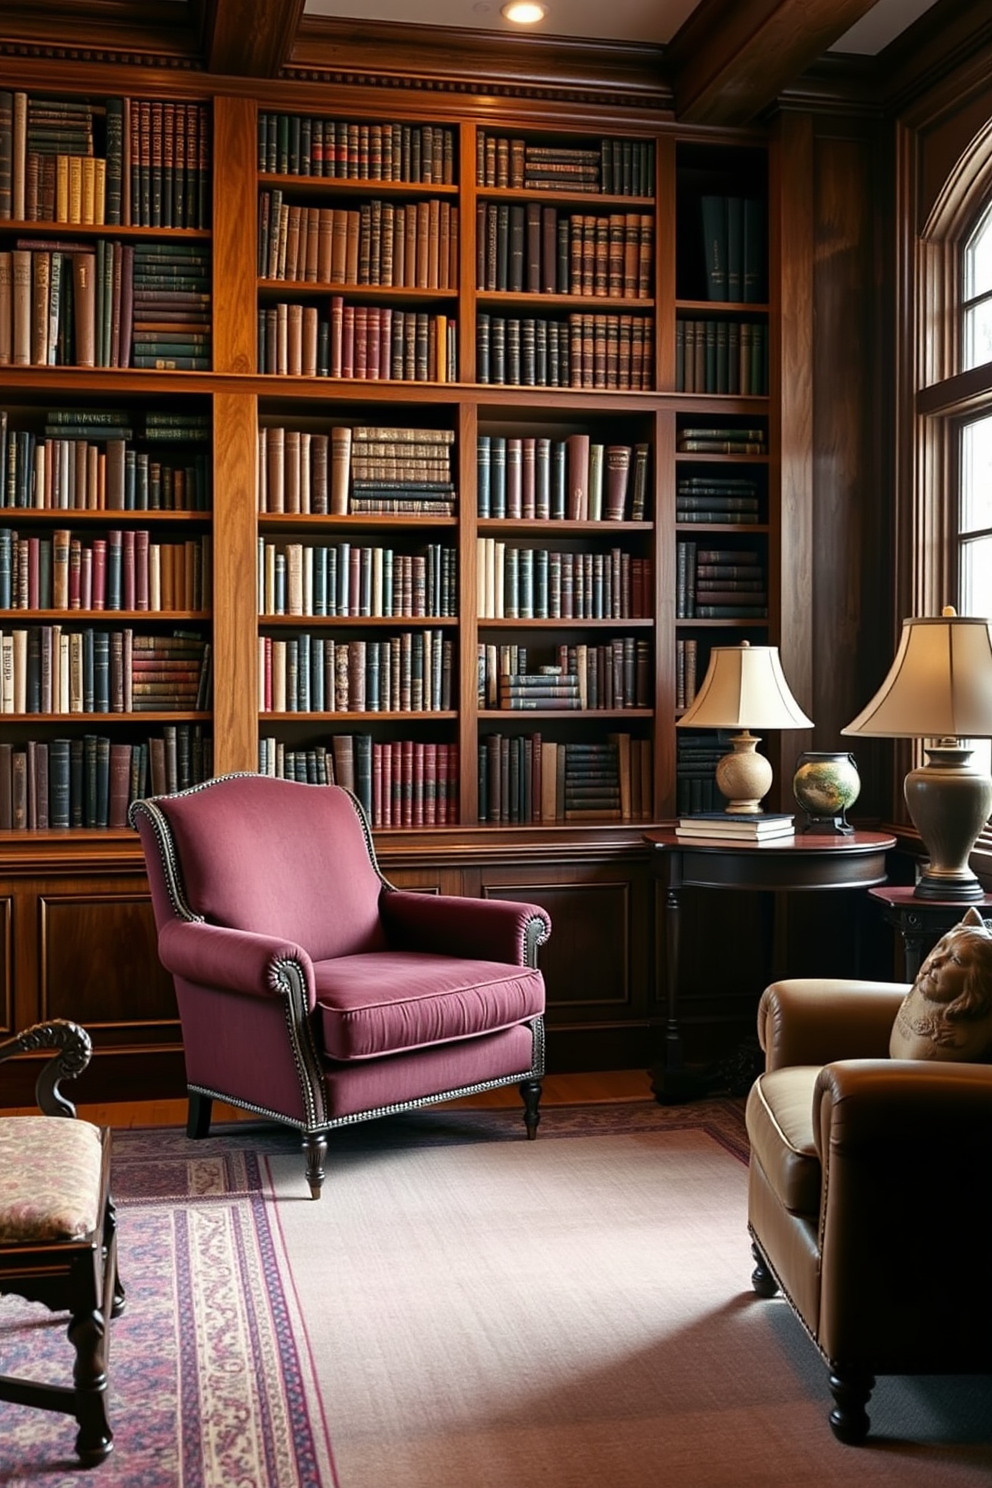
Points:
(559, 1090)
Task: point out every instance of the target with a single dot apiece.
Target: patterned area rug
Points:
(212, 1382)
(561, 1313)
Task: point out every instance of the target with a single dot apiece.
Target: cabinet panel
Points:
(99, 966)
(6, 968)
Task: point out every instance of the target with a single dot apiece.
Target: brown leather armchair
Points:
(867, 1197)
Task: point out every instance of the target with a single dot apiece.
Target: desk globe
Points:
(825, 784)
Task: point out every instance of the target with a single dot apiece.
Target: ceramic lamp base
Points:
(744, 776)
(950, 805)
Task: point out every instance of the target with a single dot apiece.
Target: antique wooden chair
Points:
(58, 1235)
(310, 989)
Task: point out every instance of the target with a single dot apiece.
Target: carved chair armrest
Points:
(814, 1020)
(74, 1050)
(236, 960)
(478, 929)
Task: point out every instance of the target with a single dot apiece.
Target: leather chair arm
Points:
(237, 960)
(814, 1020)
(891, 1106)
(478, 929)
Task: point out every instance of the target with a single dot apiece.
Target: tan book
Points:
(41, 270)
(294, 340)
(75, 188)
(291, 264)
(314, 229)
(336, 247)
(99, 191)
(62, 188)
(291, 468)
(433, 243)
(88, 168)
(21, 318)
(276, 470)
(423, 245)
(340, 470)
(84, 307)
(352, 247)
(310, 336)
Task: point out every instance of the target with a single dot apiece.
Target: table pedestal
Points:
(921, 922)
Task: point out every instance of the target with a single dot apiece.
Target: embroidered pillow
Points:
(947, 1013)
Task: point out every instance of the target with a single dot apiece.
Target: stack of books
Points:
(549, 687)
(719, 825)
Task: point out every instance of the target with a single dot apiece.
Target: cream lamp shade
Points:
(744, 688)
(939, 687)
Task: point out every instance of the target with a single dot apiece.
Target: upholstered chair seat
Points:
(312, 990)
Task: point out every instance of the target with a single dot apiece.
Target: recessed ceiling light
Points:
(524, 12)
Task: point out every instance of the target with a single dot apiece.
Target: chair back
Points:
(270, 856)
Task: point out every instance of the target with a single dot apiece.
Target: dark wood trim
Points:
(729, 63)
(958, 394)
(396, 56)
(251, 40)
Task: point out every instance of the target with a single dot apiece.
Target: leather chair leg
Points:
(531, 1092)
(762, 1280)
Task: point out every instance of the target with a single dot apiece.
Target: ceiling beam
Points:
(246, 38)
(728, 63)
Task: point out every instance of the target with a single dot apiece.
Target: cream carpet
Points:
(573, 1314)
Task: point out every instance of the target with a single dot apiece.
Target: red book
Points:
(348, 342)
(128, 594)
(430, 784)
(577, 476)
(417, 803)
(337, 335)
(529, 478)
(361, 342)
(141, 543)
(98, 580)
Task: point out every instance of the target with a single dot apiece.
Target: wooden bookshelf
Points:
(74, 898)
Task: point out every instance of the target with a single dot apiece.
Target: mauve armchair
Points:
(312, 991)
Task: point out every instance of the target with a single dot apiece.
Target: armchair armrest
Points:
(74, 1050)
(895, 1106)
(236, 960)
(479, 929)
(814, 1020)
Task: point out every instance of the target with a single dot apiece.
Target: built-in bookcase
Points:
(404, 378)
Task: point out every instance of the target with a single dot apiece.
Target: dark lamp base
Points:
(967, 892)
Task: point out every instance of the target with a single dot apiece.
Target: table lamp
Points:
(744, 688)
(939, 687)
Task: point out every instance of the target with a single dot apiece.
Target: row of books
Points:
(575, 478)
(721, 356)
(614, 675)
(308, 145)
(719, 583)
(717, 498)
(154, 171)
(87, 460)
(352, 580)
(582, 351)
(366, 342)
(696, 759)
(721, 439)
(613, 167)
(734, 247)
(527, 778)
(91, 780)
(406, 673)
(517, 583)
(108, 304)
(396, 245)
(530, 248)
(400, 782)
(124, 570)
(49, 669)
(337, 473)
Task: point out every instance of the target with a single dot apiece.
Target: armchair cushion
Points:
(780, 1127)
(397, 1000)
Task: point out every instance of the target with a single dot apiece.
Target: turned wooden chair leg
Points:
(762, 1280)
(851, 1390)
(315, 1147)
(531, 1092)
(87, 1333)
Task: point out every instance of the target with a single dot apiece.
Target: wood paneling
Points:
(99, 966)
